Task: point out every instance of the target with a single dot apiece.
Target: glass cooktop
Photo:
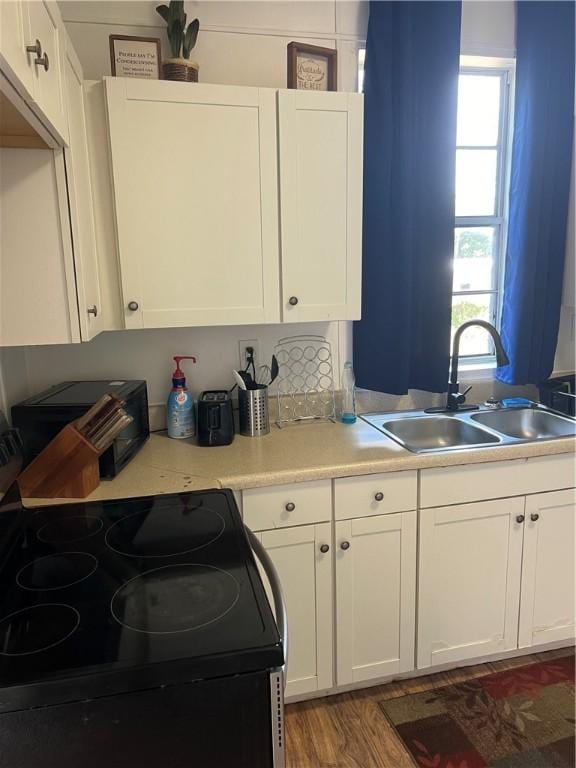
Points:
(107, 597)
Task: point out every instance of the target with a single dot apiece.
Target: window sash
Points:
(498, 219)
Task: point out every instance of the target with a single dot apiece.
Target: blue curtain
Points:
(410, 86)
(539, 188)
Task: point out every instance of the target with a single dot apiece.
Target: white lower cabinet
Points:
(305, 572)
(547, 607)
(469, 580)
(375, 596)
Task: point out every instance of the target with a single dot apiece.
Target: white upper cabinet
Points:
(16, 62)
(547, 607)
(195, 187)
(320, 150)
(46, 26)
(38, 303)
(218, 225)
(31, 42)
(81, 202)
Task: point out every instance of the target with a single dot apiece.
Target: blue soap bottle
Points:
(180, 417)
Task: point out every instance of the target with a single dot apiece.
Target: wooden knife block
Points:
(67, 468)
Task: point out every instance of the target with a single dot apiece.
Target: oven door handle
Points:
(275, 586)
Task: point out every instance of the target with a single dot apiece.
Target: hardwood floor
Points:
(350, 731)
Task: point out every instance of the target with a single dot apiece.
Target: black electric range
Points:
(99, 601)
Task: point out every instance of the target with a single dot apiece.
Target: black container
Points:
(215, 418)
(560, 394)
(40, 418)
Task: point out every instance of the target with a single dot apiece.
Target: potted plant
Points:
(182, 40)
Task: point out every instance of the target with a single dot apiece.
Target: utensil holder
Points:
(253, 410)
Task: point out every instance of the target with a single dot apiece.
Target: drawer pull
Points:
(534, 516)
(378, 496)
(290, 507)
(132, 306)
(324, 548)
(520, 519)
(293, 300)
(345, 545)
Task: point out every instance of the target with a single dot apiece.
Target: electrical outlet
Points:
(242, 345)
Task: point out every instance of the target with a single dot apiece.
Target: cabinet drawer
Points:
(454, 485)
(375, 494)
(286, 505)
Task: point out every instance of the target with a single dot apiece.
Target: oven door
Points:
(225, 722)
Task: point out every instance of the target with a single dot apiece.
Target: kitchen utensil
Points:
(68, 466)
(263, 376)
(305, 381)
(253, 411)
(239, 379)
(274, 369)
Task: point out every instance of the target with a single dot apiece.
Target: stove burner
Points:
(165, 532)
(69, 529)
(56, 571)
(37, 628)
(175, 598)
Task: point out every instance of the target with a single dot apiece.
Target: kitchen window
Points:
(481, 201)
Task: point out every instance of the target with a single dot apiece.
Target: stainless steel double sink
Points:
(422, 432)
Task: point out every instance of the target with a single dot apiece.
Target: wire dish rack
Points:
(305, 383)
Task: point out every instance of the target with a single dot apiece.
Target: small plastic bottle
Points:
(348, 395)
(180, 418)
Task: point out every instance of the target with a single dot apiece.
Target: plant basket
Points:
(180, 69)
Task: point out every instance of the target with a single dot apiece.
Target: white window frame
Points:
(505, 69)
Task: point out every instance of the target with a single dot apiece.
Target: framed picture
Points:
(311, 68)
(135, 57)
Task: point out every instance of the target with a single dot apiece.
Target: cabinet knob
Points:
(43, 61)
(324, 548)
(345, 545)
(293, 300)
(378, 496)
(35, 49)
(520, 519)
(290, 507)
(133, 306)
(534, 516)
(93, 310)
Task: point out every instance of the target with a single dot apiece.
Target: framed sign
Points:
(311, 68)
(135, 56)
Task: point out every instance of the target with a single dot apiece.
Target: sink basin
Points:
(436, 433)
(527, 423)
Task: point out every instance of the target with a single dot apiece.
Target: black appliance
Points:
(137, 633)
(559, 394)
(40, 418)
(215, 418)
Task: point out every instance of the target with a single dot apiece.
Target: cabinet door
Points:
(81, 203)
(306, 576)
(195, 187)
(547, 608)
(15, 61)
(469, 580)
(38, 302)
(320, 137)
(45, 26)
(375, 596)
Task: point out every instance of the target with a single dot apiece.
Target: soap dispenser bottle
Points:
(180, 418)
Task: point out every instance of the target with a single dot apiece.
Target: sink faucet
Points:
(455, 399)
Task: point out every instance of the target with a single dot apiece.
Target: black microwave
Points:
(40, 418)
